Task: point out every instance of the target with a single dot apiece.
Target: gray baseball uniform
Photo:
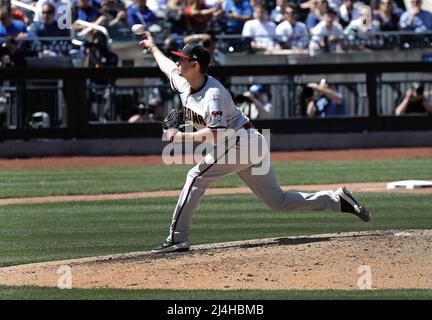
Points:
(212, 106)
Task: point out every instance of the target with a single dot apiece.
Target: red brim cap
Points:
(181, 55)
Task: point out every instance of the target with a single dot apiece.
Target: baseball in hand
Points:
(138, 29)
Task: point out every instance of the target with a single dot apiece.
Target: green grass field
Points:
(45, 182)
(125, 294)
(44, 232)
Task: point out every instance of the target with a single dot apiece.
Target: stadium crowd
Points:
(270, 25)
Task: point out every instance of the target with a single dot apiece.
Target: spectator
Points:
(237, 12)
(158, 109)
(317, 11)
(305, 96)
(61, 8)
(303, 8)
(255, 103)
(414, 102)
(175, 16)
(292, 34)
(115, 15)
(334, 4)
(329, 101)
(260, 30)
(139, 13)
(326, 35)
(47, 27)
(86, 12)
(145, 114)
(384, 16)
(348, 12)
(10, 26)
(277, 14)
(171, 43)
(398, 6)
(19, 14)
(98, 54)
(198, 15)
(363, 24)
(208, 41)
(416, 19)
(216, 4)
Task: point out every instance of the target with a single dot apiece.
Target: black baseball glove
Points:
(174, 120)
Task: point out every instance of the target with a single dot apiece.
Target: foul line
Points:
(356, 187)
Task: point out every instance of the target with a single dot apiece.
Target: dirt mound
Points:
(397, 259)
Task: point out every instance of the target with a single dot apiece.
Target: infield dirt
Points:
(397, 259)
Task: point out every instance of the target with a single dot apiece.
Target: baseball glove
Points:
(174, 120)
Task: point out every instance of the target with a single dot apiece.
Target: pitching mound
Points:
(397, 259)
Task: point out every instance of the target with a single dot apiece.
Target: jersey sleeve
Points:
(216, 111)
(177, 82)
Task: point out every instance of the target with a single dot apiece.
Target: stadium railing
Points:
(75, 121)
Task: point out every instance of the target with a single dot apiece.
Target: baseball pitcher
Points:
(210, 107)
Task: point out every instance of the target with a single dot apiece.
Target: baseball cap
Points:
(256, 88)
(194, 52)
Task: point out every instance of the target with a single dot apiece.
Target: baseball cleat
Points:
(351, 204)
(167, 247)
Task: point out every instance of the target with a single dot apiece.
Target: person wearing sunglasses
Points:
(47, 26)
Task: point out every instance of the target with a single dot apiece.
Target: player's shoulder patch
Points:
(217, 115)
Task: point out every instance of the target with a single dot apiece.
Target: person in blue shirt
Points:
(416, 19)
(139, 13)
(330, 103)
(9, 26)
(237, 12)
(87, 12)
(317, 11)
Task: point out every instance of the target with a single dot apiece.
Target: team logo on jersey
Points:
(217, 115)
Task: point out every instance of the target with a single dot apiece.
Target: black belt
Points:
(248, 125)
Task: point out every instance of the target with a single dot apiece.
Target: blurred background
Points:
(334, 73)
